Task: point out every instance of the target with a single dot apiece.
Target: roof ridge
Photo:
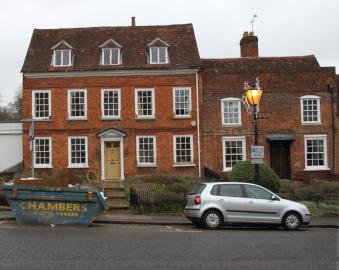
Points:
(260, 57)
(113, 27)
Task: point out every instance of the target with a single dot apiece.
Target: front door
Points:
(112, 160)
(280, 158)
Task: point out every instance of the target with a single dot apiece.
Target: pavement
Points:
(111, 217)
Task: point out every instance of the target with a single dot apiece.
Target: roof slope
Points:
(263, 64)
(183, 50)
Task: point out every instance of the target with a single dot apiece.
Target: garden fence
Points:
(320, 204)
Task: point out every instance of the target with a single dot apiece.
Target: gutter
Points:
(198, 120)
(334, 131)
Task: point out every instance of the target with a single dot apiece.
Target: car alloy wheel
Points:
(212, 220)
(291, 221)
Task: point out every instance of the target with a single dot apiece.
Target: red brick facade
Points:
(285, 81)
(164, 126)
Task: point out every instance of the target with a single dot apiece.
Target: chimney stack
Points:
(133, 21)
(249, 45)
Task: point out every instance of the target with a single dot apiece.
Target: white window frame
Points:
(231, 99)
(182, 164)
(69, 104)
(316, 137)
(110, 56)
(189, 105)
(43, 166)
(143, 164)
(77, 165)
(233, 138)
(103, 116)
(136, 103)
(62, 58)
(309, 97)
(49, 104)
(158, 49)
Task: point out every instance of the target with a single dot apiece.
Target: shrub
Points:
(243, 171)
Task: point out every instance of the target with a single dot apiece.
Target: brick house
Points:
(118, 101)
(123, 101)
(295, 115)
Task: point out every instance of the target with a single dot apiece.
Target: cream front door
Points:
(112, 161)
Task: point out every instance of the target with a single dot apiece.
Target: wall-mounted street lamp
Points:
(253, 95)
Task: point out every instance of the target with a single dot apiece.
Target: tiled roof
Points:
(262, 64)
(183, 50)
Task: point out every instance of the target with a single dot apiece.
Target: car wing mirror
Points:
(275, 198)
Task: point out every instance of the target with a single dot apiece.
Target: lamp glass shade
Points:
(253, 96)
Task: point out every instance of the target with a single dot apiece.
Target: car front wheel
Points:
(212, 220)
(291, 221)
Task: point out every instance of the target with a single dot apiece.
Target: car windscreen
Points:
(198, 189)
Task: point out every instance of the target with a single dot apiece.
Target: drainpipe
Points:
(198, 119)
(330, 89)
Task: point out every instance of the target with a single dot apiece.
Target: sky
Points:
(284, 27)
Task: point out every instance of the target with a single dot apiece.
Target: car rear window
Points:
(198, 189)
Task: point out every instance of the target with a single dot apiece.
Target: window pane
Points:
(183, 149)
(231, 113)
(154, 55)
(310, 109)
(257, 193)
(182, 101)
(115, 56)
(230, 190)
(233, 149)
(315, 152)
(162, 55)
(78, 151)
(41, 104)
(111, 103)
(146, 150)
(144, 98)
(57, 60)
(77, 103)
(66, 57)
(42, 151)
(106, 56)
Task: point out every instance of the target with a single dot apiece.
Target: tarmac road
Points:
(165, 247)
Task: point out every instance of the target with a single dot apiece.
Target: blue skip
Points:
(53, 205)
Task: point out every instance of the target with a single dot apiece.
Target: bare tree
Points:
(15, 107)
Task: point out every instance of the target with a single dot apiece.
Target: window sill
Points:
(227, 170)
(77, 119)
(111, 118)
(311, 124)
(77, 166)
(317, 169)
(231, 125)
(147, 166)
(145, 118)
(178, 117)
(184, 165)
(43, 167)
(47, 119)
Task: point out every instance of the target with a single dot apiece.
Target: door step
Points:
(116, 195)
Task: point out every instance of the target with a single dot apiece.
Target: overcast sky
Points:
(284, 27)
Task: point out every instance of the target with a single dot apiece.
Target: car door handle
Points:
(251, 202)
(221, 200)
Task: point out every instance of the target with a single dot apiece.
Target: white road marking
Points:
(7, 227)
(170, 229)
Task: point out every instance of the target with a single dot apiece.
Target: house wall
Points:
(10, 145)
(279, 113)
(164, 126)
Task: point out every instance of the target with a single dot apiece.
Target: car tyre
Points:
(212, 220)
(291, 221)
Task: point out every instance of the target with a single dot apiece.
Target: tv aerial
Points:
(252, 21)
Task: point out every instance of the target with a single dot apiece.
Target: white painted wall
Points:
(10, 145)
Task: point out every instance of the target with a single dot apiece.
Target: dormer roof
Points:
(62, 45)
(158, 42)
(111, 43)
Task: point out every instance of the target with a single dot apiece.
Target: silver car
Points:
(212, 204)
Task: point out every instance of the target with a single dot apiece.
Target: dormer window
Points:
(110, 53)
(62, 54)
(110, 56)
(62, 58)
(158, 52)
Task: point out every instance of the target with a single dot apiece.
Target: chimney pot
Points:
(133, 21)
